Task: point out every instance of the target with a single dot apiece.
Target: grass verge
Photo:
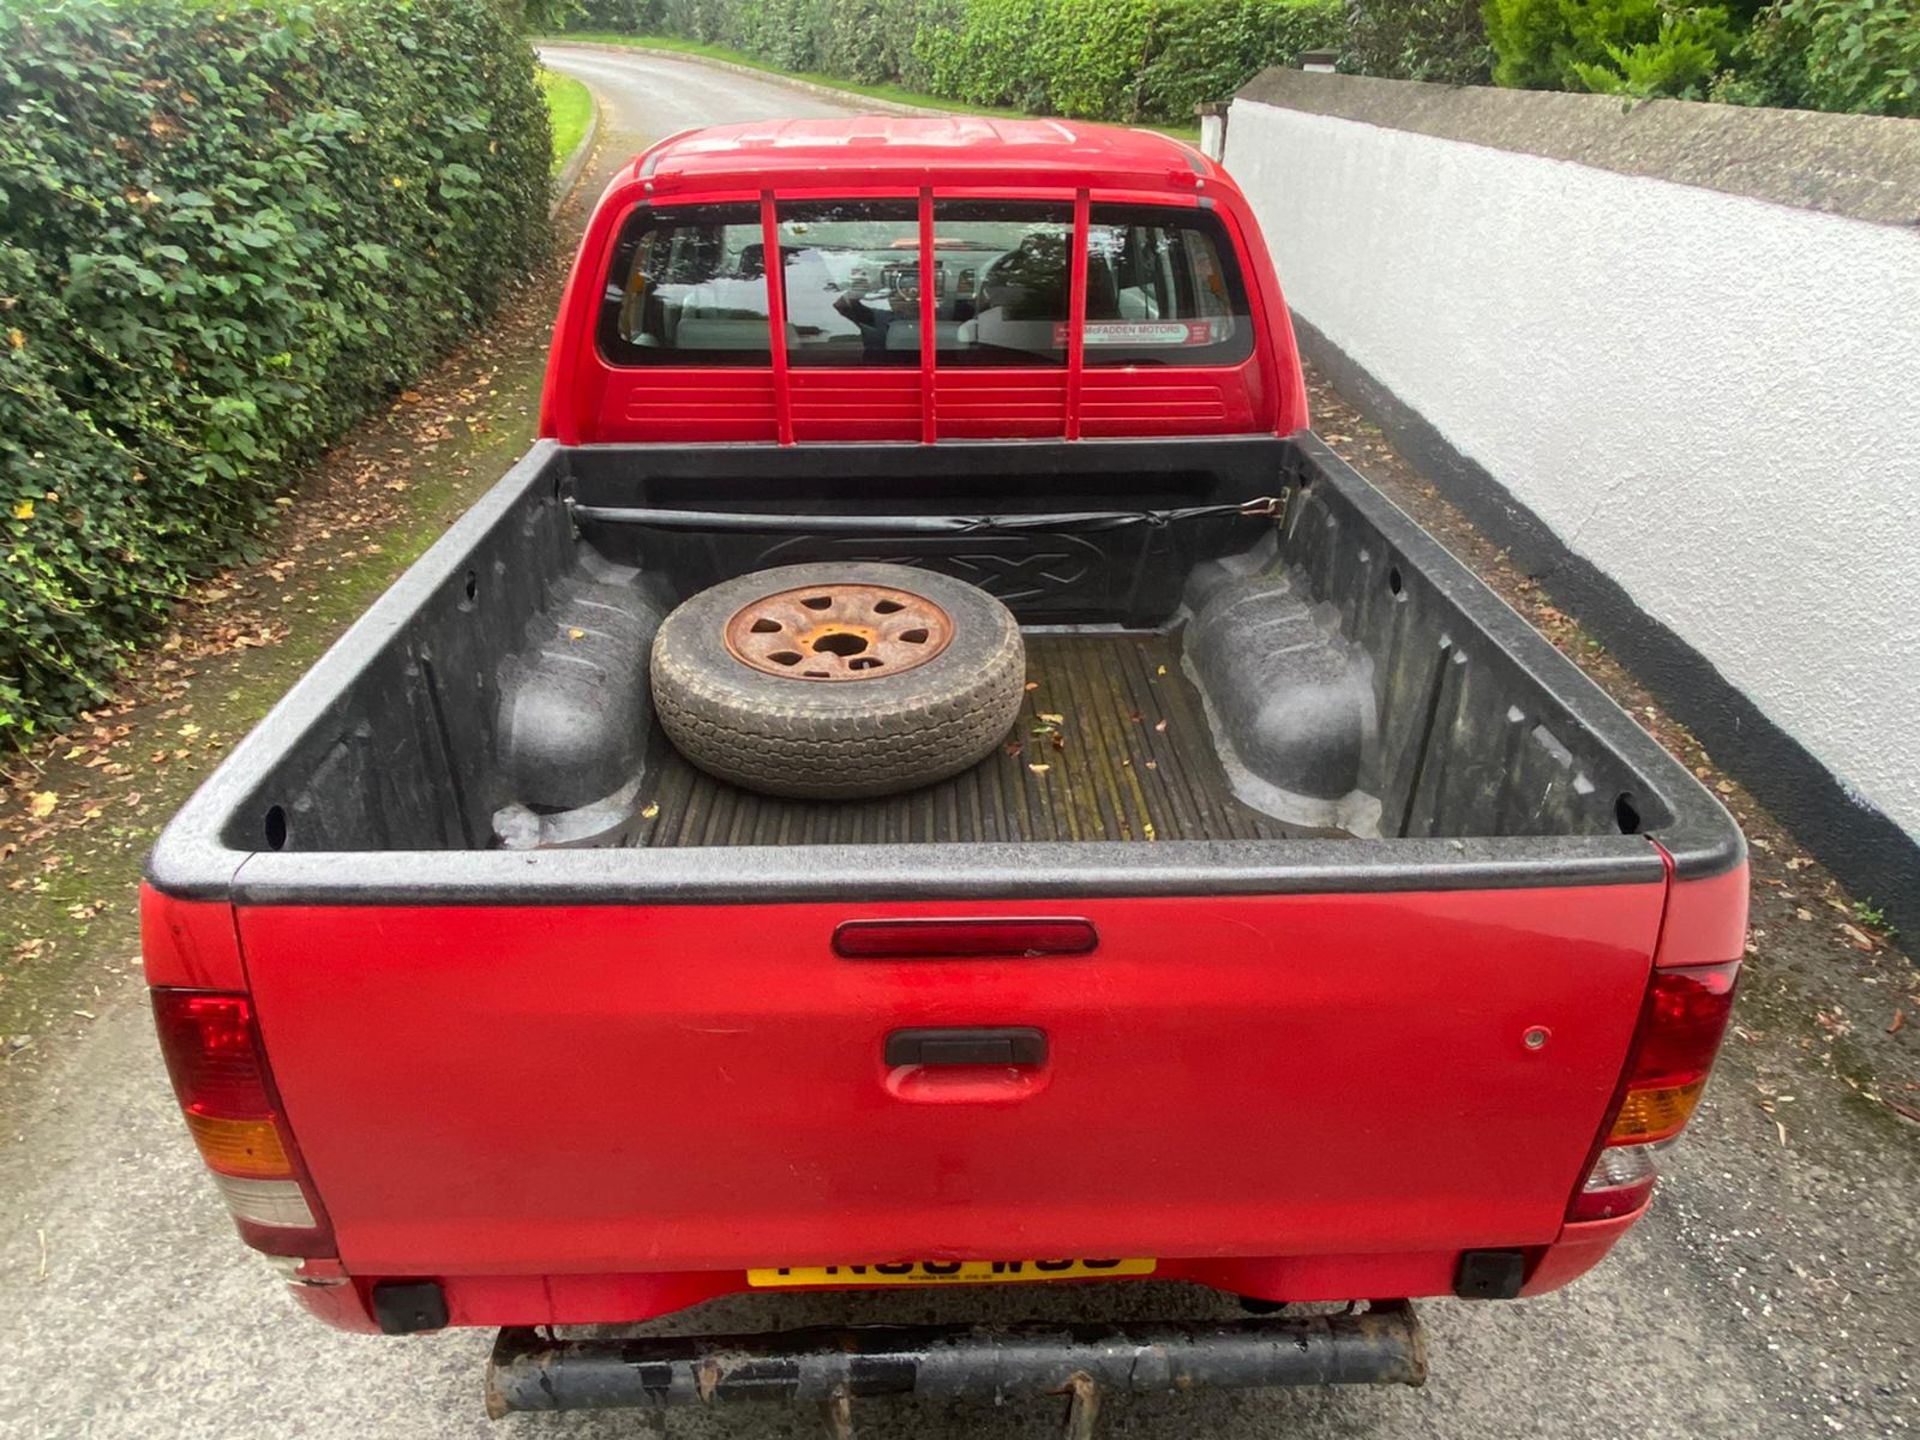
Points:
(893, 94)
(569, 109)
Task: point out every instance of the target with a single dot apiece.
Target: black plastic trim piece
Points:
(1008, 871)
(1490, 1274)
(967, 1045)
(407, 1307)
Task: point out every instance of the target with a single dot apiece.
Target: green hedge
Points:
(1635, 47)
(225, 234)
(1123, 60)
(1443, 41)
(1860, 56)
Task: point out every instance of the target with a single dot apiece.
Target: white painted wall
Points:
(1713, 399)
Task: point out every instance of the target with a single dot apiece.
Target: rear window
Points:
(852, 281)
(688, 286)
(1000, 271)
(1162, 289)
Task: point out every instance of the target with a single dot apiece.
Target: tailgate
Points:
(602, 1088)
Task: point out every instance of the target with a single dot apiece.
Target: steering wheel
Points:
(903, 285)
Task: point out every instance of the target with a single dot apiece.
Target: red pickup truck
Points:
(1317, 932)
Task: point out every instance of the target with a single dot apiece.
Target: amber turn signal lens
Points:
(1648, 1115)
(249, 1148)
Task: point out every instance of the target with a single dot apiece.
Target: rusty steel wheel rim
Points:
(838, 631)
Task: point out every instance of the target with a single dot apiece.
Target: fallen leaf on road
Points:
(652, 810)
(1039, 769)
(1033, 685)
(1053, 719)
(1898, 1023)
(40, 804)
(1861, 940)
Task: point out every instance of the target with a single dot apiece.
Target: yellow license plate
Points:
(946, 1272)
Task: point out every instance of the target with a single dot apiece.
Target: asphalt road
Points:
(1770, 1294)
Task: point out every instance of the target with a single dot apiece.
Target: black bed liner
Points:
(1492, 717)
(1133, 761)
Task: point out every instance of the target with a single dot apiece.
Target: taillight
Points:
(1680, 1030)
(1620, 1182)
(1681, 1022)
(219, 1072)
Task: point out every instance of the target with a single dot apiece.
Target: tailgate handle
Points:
(1004, 1045)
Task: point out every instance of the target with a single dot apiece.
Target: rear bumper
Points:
(515, 1301)
(834, 1366)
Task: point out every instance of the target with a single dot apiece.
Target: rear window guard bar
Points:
(1076, 317)
(927, 196)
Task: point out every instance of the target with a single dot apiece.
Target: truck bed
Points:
(1318, 673)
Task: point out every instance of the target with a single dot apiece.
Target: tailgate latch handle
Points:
(1003, 1045)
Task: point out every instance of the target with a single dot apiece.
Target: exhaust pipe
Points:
(832, 1366)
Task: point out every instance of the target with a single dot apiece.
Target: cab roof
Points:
(868, 150)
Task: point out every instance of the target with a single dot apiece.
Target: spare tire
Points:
(838, 680)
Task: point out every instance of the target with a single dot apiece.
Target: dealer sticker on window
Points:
(1140, 332)
(946, 1272)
